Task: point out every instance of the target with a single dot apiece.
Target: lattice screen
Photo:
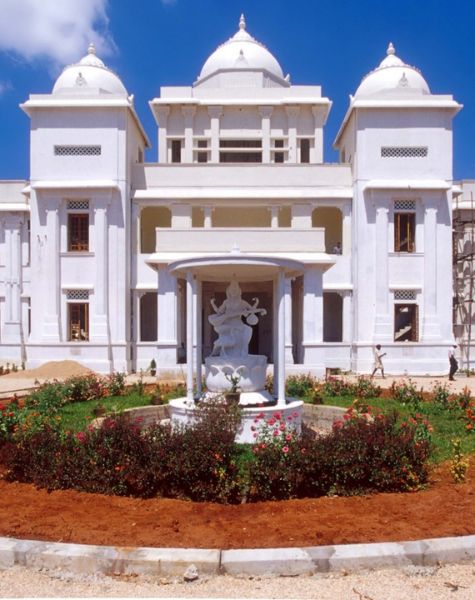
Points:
(404, 294)
(77, 150)
(404, 151)
(404, 205)
(78, 295)
(78, 204)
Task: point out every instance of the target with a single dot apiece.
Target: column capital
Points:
(266, 111)
(188, 111)
(215, 111)
(162, 112)
(292, 111)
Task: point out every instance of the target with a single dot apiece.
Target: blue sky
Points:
(151, 43)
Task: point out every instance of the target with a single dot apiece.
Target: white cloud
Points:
(5, 86)
(59, 30)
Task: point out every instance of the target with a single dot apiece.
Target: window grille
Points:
(77, 150)
(78, 232)
(78, 295)
(404, 151)
(78, 205)
(404, 205)
(404, 295)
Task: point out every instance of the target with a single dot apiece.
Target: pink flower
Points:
(282, 427)
(81, 437)
(285, 449)
(253, 428)
(271, 422)
(289, 418)
(288, 437)
(295, 414)
(277, 416)
(275, 432)
(254, 435)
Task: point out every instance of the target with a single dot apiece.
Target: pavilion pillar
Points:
(281, 337)
(189, 336)
(289, 356)
(198, 336)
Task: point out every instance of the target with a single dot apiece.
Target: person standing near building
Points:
(452, 362)
(378, 363)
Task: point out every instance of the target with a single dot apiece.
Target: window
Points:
(279, 156)
(404, 232)
(78, 232)
(404, 151)
(139, 155)
(77, 150)
(203, 154)
(176, 151)
(240, 151)
(406, 323)
(78, 321)
(305, 150)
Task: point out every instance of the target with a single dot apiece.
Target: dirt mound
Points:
(56, 369)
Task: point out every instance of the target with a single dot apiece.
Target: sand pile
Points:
(56, 369)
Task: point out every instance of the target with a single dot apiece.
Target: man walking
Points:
(452, 362)
(378, 363)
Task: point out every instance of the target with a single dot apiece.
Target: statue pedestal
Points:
(250, 369)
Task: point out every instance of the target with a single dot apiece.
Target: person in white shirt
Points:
(452, 362)
(378, 363)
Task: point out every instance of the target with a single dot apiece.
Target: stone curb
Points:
(87, 559)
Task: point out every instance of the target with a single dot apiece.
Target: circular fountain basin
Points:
(183, 412)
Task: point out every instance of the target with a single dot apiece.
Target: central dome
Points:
(241, 52)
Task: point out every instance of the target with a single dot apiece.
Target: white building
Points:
(95, 249)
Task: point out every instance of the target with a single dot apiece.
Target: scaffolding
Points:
(464, 276)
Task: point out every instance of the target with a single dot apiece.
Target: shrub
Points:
(83, 388)
(407, 393)
(441, 397)
(48, 398)
(459, 464)
(366, 388)
(115, 384)
(335, 386)
(464, 399)
(299, 386)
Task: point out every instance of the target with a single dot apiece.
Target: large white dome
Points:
(392, 76)
(241, 52)
(89, 73)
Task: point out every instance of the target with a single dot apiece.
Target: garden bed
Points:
(444, 509)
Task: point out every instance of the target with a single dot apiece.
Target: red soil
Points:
(444, 509)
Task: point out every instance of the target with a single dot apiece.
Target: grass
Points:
(77, 416)
(447, 424)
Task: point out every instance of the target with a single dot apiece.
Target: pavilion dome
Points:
(241, 52)
(89, 73)
(392, 76)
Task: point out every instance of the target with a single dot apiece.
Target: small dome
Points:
(241, 51)
(89, 73)
(392, 75)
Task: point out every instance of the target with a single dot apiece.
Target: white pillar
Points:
(346, 228)
(214, 113)
(302, 215)
(274, 216)
(13, 280)
(208, 212)
(167, 318)
(289, 355)
(162, 113)
(383, 326)
(431, 328)
(188, 114)
(51, 326)
(181, 215)
(292, 116)
(135, 218)
(281, 337)
(138, 315)
(266, 112)
(275, 336)
(189, 336)
(199, 337)
(347, 316)
(99, 321)
(318, 116)
(312, 306)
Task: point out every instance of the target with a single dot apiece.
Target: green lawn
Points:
(447, 424)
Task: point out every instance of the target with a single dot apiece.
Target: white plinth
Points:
(250, 369)
(183, 412)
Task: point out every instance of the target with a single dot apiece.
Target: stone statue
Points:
(233, 334)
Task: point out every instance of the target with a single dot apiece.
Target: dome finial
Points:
(91, 49)
(391, 49)
(242, 22)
